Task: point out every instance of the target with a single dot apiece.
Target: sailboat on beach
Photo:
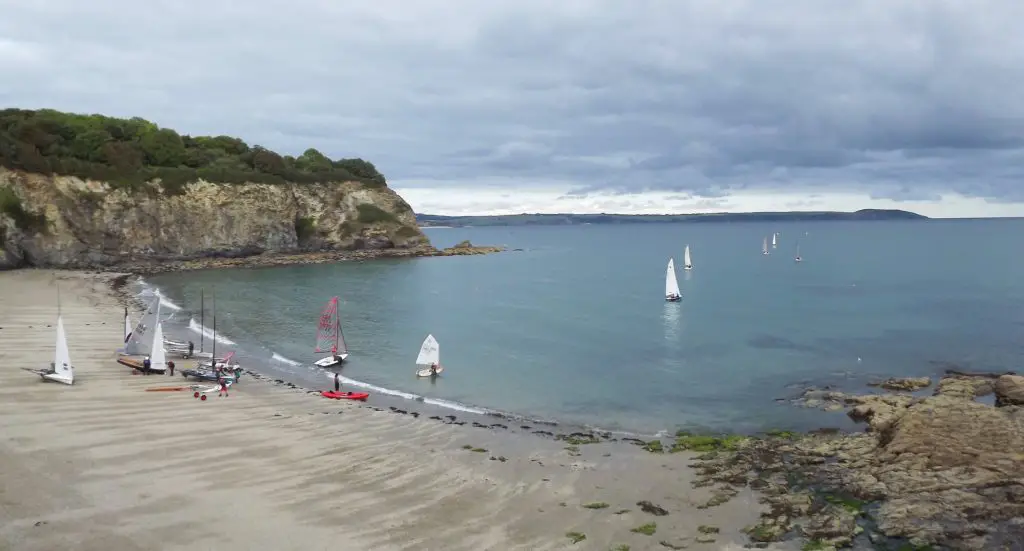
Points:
(430, 357)
(671, 283)
(687, 265)
(61, 370)
(329, 337)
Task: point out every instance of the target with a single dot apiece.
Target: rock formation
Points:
(68, 222)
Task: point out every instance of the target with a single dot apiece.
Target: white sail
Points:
(127, 326)
(140, 341)
(430, 352)
(774, 239)
(687, 265)
(62, 358)
(671, 284)
(158, 356)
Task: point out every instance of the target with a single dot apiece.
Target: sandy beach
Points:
(105, 465)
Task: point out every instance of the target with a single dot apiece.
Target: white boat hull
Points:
(330, 361)
(426, 372)
(58, 378)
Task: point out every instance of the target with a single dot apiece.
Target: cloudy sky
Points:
(505, 106)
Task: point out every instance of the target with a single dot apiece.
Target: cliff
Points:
(74, 222)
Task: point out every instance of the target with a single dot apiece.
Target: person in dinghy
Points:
(434, 369)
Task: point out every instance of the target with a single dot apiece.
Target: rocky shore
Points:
(930, 472)
(266, 259)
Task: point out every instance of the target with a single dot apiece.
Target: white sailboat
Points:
(687, 265)
(329, 337)
(158, 357)
(764, 246)
(798, 258)
(429, 356)
(61, 370)
(775, 237)
(140, 339)
(671, 284)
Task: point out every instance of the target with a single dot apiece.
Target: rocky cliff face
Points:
(61, 221)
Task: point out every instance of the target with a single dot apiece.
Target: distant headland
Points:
(434, 220)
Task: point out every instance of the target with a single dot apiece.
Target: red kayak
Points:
(345, 395)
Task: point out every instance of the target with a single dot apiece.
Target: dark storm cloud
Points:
(903, 99)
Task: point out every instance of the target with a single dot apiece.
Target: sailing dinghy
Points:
(158, 356)
(430, 355)
(798, 259)
(61, 370)
(329, 337)
(764, 246)
(687, 265)
(671, 284)
(775, 237)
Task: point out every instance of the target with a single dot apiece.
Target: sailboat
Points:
(430, 355)
(764, 246)
(127, 326)
(140, 342)
(158, 357)
(798, 259)
(671, 284)
(775, 237)
(687, 265)
(207, 368)
(61, 370)
(329, 337)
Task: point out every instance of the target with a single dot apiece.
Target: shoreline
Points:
(269, 259)
(305, 467)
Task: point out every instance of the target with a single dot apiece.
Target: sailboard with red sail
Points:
(329, 337)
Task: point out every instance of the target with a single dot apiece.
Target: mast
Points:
(213, 358)
(337, 331)
(202, 328)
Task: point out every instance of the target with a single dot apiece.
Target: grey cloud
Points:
(902, 99)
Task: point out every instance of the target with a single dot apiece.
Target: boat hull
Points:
(426, 372)
(330, 361)
(673, 299)
(135, 362)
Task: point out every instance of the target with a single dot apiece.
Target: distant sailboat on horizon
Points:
(775, 237)
(687, 265)
(671, 283)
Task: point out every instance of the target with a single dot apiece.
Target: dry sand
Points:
(104, 465)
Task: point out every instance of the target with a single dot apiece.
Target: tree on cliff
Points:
(129, 152)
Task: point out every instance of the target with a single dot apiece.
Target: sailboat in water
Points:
(329, 337)
(687, 265)
(798, 258)
(764, 246)
(430, 357)
(671, 284)
(775, 238)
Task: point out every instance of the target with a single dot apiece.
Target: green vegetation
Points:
(130, 152)
(705, 529)
(574, 440)
(647, 529)
(596, 505)
(621, 547)
(372, 214)
(10, 204)
(654, 446)
(576, 537)
(686, 441)
(852, 505)
(305, 227)
(406, 232)
(816, 545)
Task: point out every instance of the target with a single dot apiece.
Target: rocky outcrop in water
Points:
(68, 222)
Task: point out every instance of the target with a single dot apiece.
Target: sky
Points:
(508, 106)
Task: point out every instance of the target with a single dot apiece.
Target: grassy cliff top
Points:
(130, 152)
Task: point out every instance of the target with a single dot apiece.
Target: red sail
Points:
(327, 329)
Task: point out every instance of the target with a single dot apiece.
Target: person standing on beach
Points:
(170, 368)
(223, 387)
(191, 348)
(146, 365)
(337, 382)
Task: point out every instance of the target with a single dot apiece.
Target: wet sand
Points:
(105, 465)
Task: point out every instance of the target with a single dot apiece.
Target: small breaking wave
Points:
(150, 291)
(279, 358)
(437, 402)
(206, 332)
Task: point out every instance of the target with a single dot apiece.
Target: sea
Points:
(570, 324)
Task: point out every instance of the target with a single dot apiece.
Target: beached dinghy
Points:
(430, 358)
(61, 370)
(329, 337)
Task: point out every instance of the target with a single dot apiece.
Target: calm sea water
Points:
(574, 327)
